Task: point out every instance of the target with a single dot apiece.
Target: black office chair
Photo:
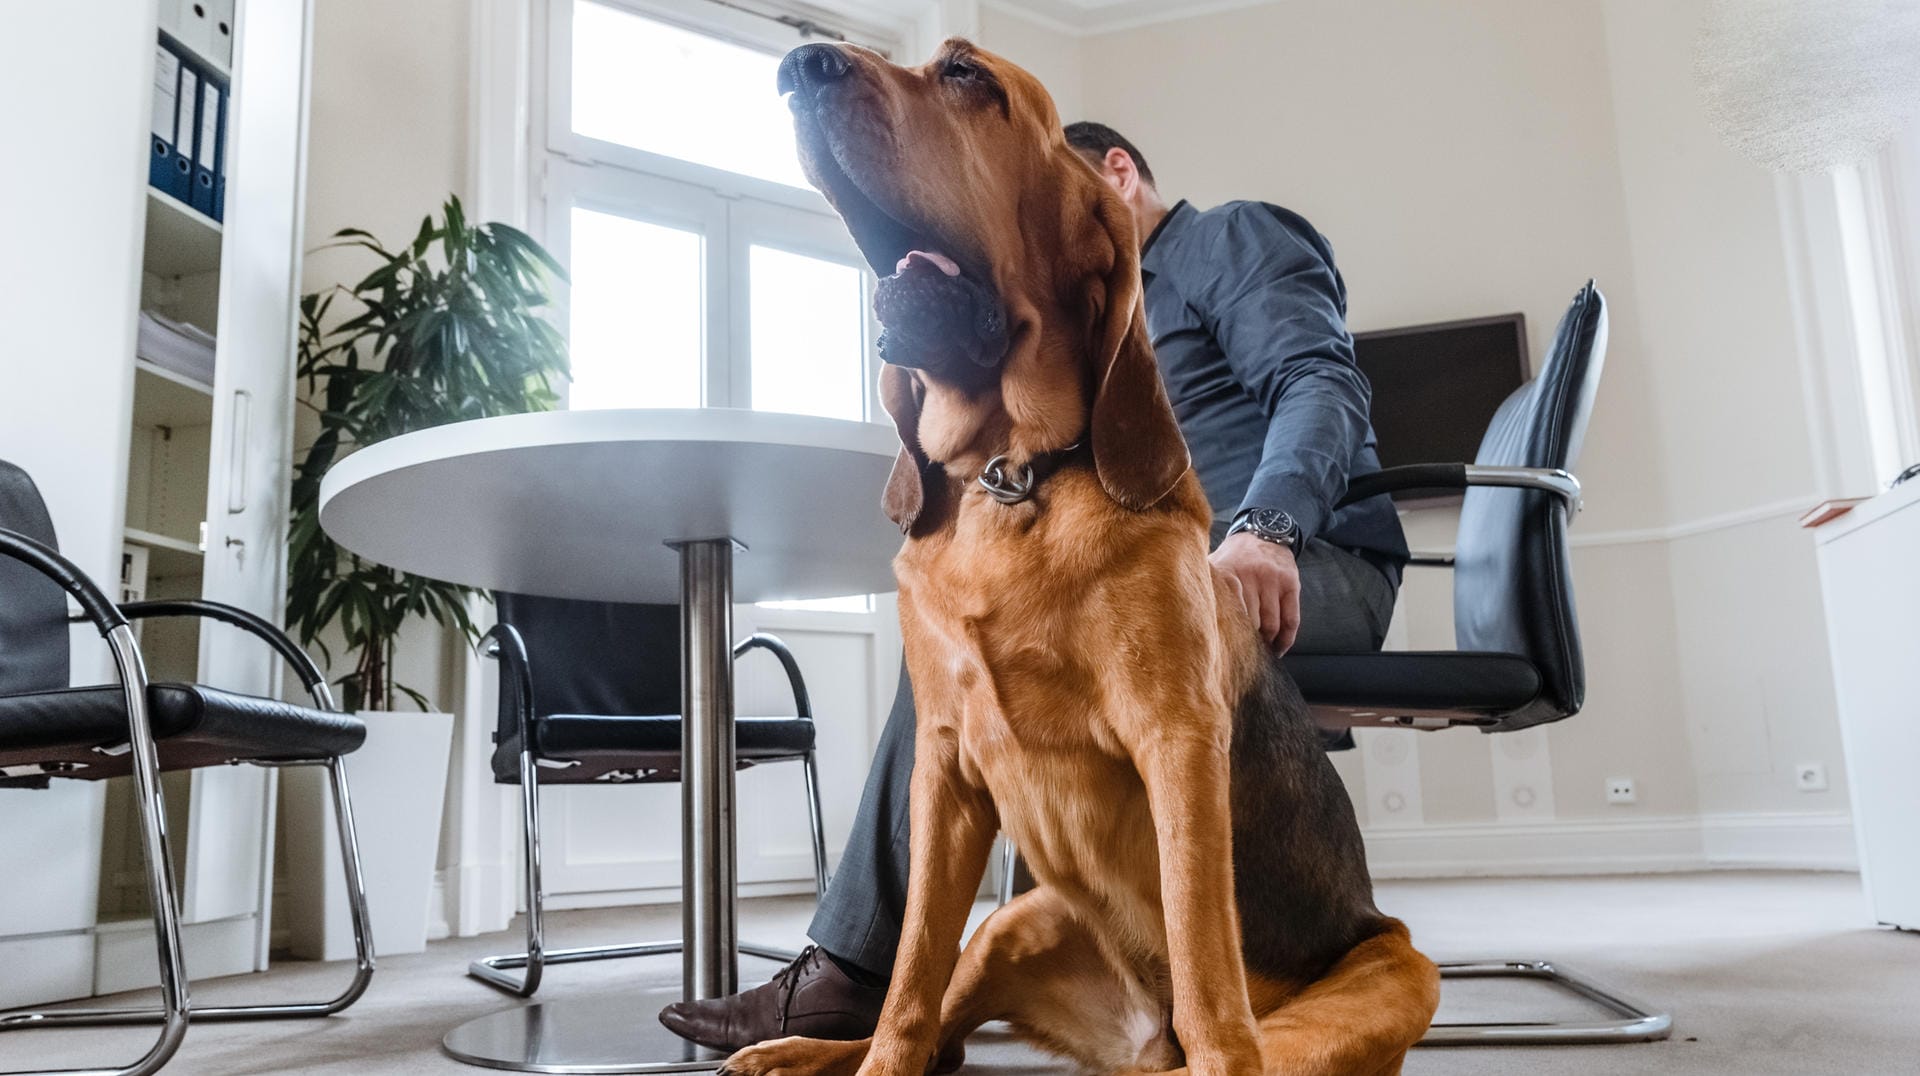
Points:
(1519, 661)
(49, 730)
(590, 694)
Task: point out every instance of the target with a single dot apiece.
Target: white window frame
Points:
(1852, 239)
(1882, 349)
(733, 212)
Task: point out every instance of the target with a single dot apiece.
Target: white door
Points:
(227, 847)
(68, 371)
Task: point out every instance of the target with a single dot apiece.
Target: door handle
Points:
(237, 452)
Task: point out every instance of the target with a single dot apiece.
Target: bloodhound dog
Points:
(1084, 681)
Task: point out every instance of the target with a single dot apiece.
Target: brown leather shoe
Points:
(810, 997)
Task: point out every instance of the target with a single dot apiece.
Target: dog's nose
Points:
(812, 66)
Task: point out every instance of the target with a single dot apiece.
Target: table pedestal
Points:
(622, 1033)
(712, 966)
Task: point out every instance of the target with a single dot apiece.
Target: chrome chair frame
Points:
(1635, 1021)
(176, 1009)
(503, 643)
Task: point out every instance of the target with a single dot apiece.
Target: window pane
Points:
(635, 315)
(809, 321)
(680, 94)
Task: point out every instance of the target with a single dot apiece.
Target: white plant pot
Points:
(398, 784)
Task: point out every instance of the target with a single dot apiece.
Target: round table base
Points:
(617, 1033)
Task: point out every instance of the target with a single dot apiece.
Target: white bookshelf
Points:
(181, 240)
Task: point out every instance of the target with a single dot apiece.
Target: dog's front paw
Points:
(797, 1057)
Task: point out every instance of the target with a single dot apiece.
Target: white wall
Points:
(1712, 289)
(387, 144)
(1485, 156)
(1055, 58)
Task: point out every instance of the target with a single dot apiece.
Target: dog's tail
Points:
(1359, 1018)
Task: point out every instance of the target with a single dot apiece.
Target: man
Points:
(1248, 319)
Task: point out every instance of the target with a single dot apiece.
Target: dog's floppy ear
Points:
(906, 492)
(1138, 451)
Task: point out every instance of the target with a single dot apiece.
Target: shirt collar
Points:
(1147, 264)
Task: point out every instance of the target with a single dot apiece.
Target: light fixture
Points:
(1809, 85)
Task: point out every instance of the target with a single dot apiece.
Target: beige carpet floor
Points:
(1764, 972)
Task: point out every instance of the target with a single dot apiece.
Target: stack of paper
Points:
(176, 346)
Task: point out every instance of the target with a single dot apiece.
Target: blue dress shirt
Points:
(1248, 319)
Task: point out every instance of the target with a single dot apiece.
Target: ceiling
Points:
(1078, 16)
(1100, 16)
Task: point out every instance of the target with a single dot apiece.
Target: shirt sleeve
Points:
(1275, 304)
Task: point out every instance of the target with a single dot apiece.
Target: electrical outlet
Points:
(1621, 790)
(1810, 776)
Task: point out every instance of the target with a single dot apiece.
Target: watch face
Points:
(1272, 521)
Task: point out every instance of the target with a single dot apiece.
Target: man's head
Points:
(1123, 167)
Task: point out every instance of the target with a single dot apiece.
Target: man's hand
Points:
(1267, 580)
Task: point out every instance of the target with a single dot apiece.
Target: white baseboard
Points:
(124, 952)
(1637, 846)
(475, 898)
(1818, 842)
(438, 926)
(1747, 841)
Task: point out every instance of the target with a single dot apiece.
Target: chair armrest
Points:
(802, 706)
(1430, 560)
(1460, 476)
(257, 626)
(46, 560)
(503, 644)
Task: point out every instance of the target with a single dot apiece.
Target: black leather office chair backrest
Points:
(33, 608)
(589, 657)
(1513, 583)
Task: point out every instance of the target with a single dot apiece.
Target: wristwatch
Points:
(1269, 525)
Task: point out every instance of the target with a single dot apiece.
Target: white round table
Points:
(700, 507)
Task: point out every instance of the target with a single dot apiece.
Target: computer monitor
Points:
(1436, 387)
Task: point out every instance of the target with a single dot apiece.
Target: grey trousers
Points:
(1345, 605)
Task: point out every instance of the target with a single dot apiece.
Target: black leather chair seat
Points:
(642, 748)
(193, 725)
(1417, 681)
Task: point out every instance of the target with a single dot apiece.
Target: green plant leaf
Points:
(447, 328)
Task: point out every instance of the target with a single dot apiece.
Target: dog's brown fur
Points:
(1084, 681)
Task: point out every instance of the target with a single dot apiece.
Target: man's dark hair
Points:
(1095, 139)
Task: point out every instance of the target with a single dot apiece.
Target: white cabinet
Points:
(130, 455)
(1871, 581)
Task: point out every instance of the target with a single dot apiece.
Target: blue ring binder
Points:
(188, 158)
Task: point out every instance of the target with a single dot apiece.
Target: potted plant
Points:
(449, 327)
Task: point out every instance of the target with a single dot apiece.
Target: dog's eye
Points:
(960, 69)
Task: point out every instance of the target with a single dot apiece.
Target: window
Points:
(736, 122)
(705, 272)
(1877, 270)
(805, 317)
(634, 319)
